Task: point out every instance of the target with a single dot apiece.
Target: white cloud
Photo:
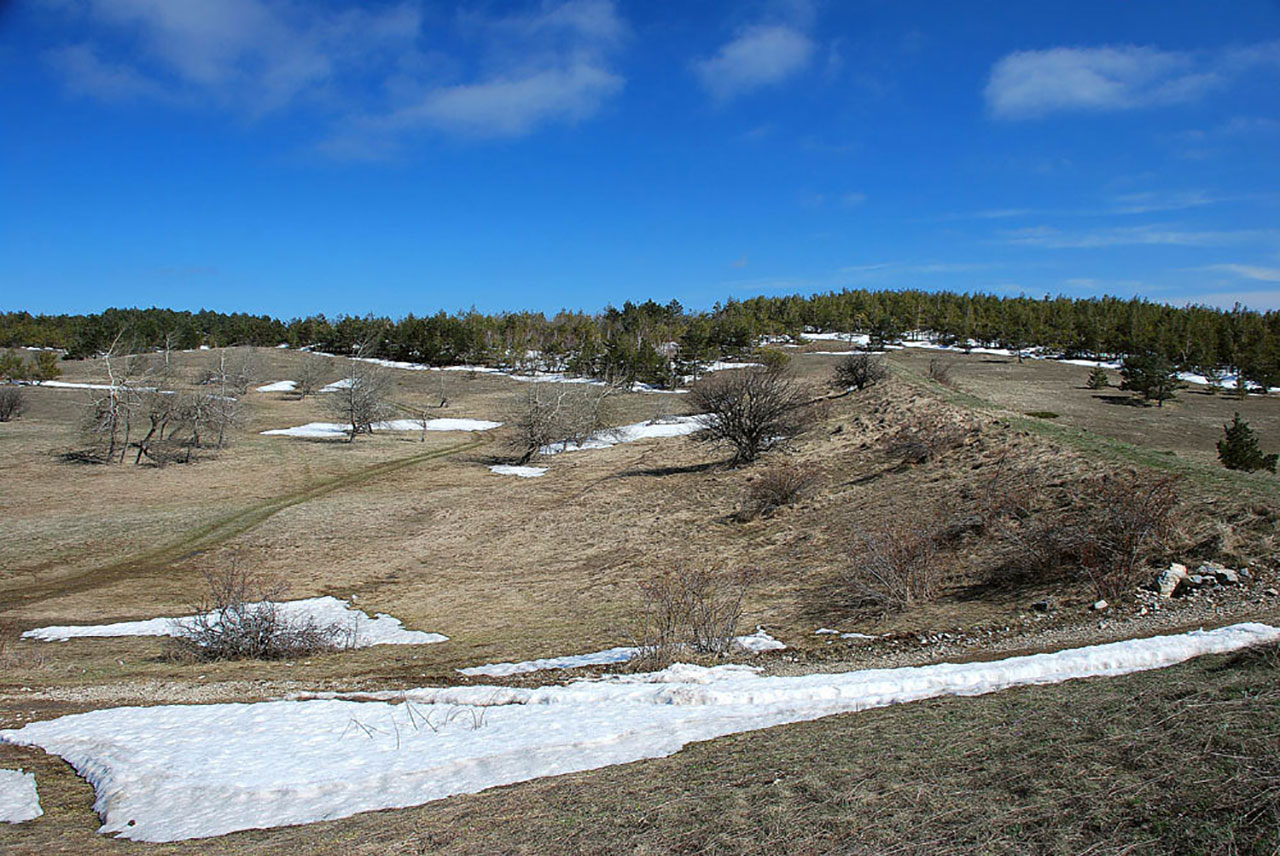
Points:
(759, 56)
(1262, 274)
(1053, 238)
(368, 69)
(513, 106)
(1028, 84)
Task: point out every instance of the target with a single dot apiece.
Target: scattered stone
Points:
(1042, 605)
(1100, 606)
(1272, 593)
(1168, 580)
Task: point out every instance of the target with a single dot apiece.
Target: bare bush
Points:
(12, 402)
(312, 374)
(928, 436)
(896, 565)
(1127, 519)
(940, 371)
(777, 487)
(689, 610)
(751, 410)
(362, 398)
(558, 415)
(241, 619)
(859, 371)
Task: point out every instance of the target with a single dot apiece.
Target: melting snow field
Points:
(382, 629)
(673, 426)
(288, 762)
(521, 471)
(279, 386)
(335, 430)
(19, 800)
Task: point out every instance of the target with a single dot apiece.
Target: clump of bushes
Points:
(776, 487)
(859, 371)
(241, 619)
(751, 410)
(1107, 532)
(689, 610)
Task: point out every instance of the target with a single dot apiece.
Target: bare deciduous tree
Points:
(751, 410)
(362, 398)
(558, 414)
(313, 373)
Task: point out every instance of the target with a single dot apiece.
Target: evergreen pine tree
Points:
(1238, 449)
(1151, 375)
(1098, 378)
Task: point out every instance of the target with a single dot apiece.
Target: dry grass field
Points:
(514, 569)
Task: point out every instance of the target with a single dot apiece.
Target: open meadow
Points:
(415, 525)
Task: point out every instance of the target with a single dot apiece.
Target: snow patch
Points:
(674, 426)
(279, 386)
(299, 761)
(19, 799)
(521, 471)
(382, 629)
(337, 430)
(573, 661)
(758, 642)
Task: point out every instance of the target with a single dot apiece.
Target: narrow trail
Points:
(217, 532)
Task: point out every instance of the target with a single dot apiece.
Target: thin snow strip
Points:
(289, 762)
(674, 426)
(521, 471)
(335, 430)
(19, 799)
(755, 643)
(382, 629)
(279, 386)
(573, 661)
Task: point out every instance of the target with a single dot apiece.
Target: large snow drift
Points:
(19, 799)
(336, 430)
(382, 629)
(287, 762)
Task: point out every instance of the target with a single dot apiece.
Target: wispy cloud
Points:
(1262, 274)
(1034, 83)
(367, 70)
(1054, 238)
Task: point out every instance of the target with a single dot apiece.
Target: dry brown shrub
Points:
(689, 610)
(859, 371)
(777, 487)
(940, 371)
(240, 619)
(896, 565)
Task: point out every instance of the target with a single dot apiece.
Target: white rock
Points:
(1100, 605)
(1169, 578)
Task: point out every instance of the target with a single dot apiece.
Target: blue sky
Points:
(294, 157)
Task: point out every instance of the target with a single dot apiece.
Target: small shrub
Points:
(689, 610)
(776, 488)
(12, 402)
(774, 359)
(241, 619)
(896, 566)
(1237, 450)
(859, 371)
(1126, 519)
(940, 371)
(1098, 378)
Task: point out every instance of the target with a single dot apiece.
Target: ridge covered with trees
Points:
(639, 341)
